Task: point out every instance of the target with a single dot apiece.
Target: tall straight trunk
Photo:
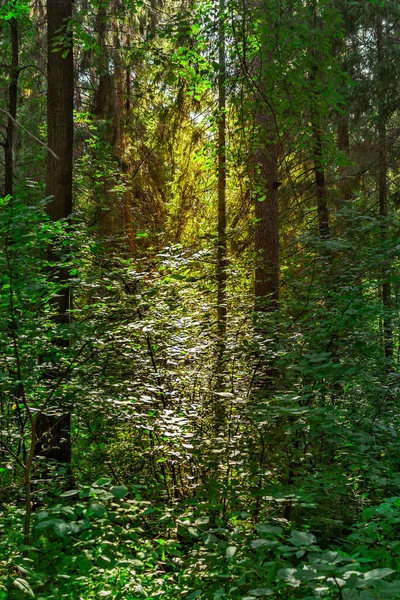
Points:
(102, 107)
(266, 236)
(112, 103)
(9, 142)
(118, 135)
(383, 190)
(346, 182)
(317, 138)
(319, 175)
(266, 206)
(53, 432)
(60, 104)
(221, 231)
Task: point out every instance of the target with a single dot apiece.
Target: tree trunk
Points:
(53, 429)
(60, 103)
(221, 230)
(317, 141)
(319, 174)
(266, 206)
(383, 191)
(110, 104)
(12, 110)
(347, 180)
(119, 138)
(266, 203)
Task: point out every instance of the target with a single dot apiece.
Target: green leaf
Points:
(377, 574)
(289, 575)
(231, 551)
(61, 529)
(368, 513)
(119, 491)
(210, 540)
(98, 509)
(24, 586)
(45, 523)
(263, 543)
(301, 538)
(104, 562)
(202, 521)
(365, 595)
(275, 530)
(69, 493)
(149, 510)
(194, 595)
(259, 592)
(103, 481)
(350, 594)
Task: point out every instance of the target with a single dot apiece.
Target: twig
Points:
(29, 133)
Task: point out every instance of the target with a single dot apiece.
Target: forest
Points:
(199, 299)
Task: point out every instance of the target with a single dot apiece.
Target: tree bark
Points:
(53, 430)
(347, 180)
(319, 174)
(266, 205)
(12, 110)
(221, 274)
(383, 190)
(118, 136)
(317, 141)
(111, 103)
(60, 104)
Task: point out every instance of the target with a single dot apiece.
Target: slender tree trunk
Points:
(112, 103)
(383, 191)
(221, 231)
(345, 185)
(118, 135)
(346, 182)
(53, 431)
(319, 173)
(318, 156)
(266, 207)
(317, 142)
(102, 101)
(266, 238)
(9, 142)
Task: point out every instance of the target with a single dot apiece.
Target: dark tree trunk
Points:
(317, 141)
(266, 238)
(112, 103)
(103, 96)
(266, 155)
(53, 430)
(12, 110)
(345, 181)
(221, 229)
(266, 206)
(383, 190)
(53, 437)
(60, 104)
(124, 221)
(267, 215)
(319, 174)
